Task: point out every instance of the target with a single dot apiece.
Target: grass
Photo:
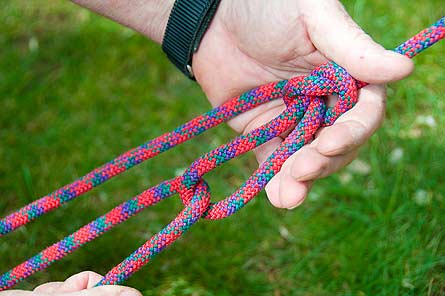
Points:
(77, 90)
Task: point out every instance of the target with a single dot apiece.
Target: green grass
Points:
(77, 90)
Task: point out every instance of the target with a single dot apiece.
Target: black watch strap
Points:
(188, 21)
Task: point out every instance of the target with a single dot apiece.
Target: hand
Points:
(81, 284)
(253, 42)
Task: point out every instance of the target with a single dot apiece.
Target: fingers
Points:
(50, 287)
(106, 291)
(353, 129)
(77, 282)
(20, 293)
(97, 291)
(265, 150)
(284, 191)
(74, 283)
(309, 164)
(256, 117)
(339, 38)
(289, 188)
(334, 148)
(81, 284)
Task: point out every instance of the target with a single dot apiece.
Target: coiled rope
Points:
(305, 107)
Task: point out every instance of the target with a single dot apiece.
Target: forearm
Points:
(149, 17)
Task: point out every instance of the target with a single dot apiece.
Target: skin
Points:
(247, 46)
(252, 42)
(81, 284)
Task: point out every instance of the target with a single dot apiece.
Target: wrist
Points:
(148, 17)
(186, 26)
(157, 19)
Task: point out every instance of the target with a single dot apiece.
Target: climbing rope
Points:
(305, 107)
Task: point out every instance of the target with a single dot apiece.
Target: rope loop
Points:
(196, 207)
(305, 113)
(304, 98)
(326, 79)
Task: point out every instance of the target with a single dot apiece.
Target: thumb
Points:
(340, 39)
(105, 291)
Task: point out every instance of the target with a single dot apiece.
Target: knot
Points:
(195, 194)
(306, 109)
(193, 188)
(304, 97)
(327, 79)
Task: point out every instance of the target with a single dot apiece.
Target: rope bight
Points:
(305, 107)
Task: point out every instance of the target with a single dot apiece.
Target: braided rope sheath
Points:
(305, 106)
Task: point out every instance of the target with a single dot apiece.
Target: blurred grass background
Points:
(77, 90)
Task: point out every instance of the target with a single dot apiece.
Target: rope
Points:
(305, 107)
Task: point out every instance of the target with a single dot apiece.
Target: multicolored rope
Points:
(305, 107)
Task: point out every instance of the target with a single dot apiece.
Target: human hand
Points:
(253, 42)
(81, 284)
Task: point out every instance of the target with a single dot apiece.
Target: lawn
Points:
(77, 90)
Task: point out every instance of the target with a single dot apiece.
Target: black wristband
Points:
(188, 21)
